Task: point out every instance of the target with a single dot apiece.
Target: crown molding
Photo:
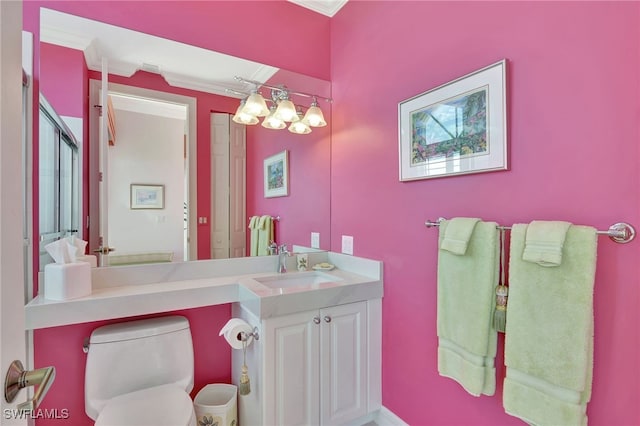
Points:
(325, 7)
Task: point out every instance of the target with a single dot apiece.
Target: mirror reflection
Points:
(170, 145)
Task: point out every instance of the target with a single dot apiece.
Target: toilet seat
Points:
(160, 405)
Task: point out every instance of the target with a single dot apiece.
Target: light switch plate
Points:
(347, 244)
(315, 240)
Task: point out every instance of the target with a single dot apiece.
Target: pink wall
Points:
(573, 82)
(65, 82)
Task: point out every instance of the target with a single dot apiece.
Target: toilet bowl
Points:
(141, 373)
(164, 405)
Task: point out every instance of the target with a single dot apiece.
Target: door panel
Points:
(292, 369)
(343, 369)
(12, 291)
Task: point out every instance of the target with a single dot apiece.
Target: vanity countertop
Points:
(120, 292)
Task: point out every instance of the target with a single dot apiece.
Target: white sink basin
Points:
(297, 279)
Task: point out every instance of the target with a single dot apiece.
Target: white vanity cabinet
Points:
(318, 367)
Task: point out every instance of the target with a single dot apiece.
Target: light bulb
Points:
(314, 116)
(286, 111)
(241, 117)
(299, 127)
(255, 105)
(273, 122)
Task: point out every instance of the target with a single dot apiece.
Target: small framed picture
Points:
(457, 128)
(147, 196)
(276, 175)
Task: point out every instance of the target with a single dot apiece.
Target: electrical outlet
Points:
(347, 244)
(315, 240)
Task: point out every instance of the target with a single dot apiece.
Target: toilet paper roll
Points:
(231, 332)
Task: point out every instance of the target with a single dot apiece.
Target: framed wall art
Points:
(145, 196)
(276, 175)
(457, 128)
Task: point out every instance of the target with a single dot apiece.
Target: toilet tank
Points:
(135, 355)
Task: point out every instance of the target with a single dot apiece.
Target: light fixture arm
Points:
(280, 89)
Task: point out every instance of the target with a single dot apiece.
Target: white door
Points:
(292, 370)
(12, 291)
(228, 187)
(219, 186)
(237, 187)
(103, 174)
(343, 368)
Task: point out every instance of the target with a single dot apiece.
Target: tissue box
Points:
(91, 259)
(67, 281)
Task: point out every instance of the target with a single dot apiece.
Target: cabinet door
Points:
(343, 368)
(292, 370)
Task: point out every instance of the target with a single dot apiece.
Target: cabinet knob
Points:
(316, 320)
(327, 318)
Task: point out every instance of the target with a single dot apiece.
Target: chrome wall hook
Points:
(246, 336)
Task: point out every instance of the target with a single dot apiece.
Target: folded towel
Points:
(544, 242)
(466, 300)
(253, 225)
(262, 221)
(549, 332)
(457, 234)
(265, 235)
(253, 222)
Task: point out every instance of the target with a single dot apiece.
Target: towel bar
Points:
(620, 232)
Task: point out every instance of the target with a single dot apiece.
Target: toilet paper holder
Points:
(244, 336)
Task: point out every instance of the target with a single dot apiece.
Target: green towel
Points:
(549, 333)
(457, 234)
(253, 226)
(466, 300)
(544, 242)
(265, 235)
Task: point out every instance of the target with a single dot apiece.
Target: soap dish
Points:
(323, 266)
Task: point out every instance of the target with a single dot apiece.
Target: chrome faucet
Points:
(283, 253)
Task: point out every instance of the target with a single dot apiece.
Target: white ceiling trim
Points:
(148, 106)
(325, 7)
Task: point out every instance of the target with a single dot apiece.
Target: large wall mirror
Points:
(170, 195)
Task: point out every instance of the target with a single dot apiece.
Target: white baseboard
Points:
(387, 418)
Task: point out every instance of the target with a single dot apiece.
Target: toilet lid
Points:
(160, 405)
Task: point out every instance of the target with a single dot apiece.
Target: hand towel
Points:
(265, 234)
(253, 225)
(466, 300)
(549, 333)
(457, 234)
(544, 242)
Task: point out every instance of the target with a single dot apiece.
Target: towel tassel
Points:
(245, 385)
(500, 314)
(502, 292)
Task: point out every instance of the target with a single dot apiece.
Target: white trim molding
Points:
(388, 418)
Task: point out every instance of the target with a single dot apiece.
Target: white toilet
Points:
(140, 373)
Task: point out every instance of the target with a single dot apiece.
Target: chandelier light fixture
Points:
(282, 112)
